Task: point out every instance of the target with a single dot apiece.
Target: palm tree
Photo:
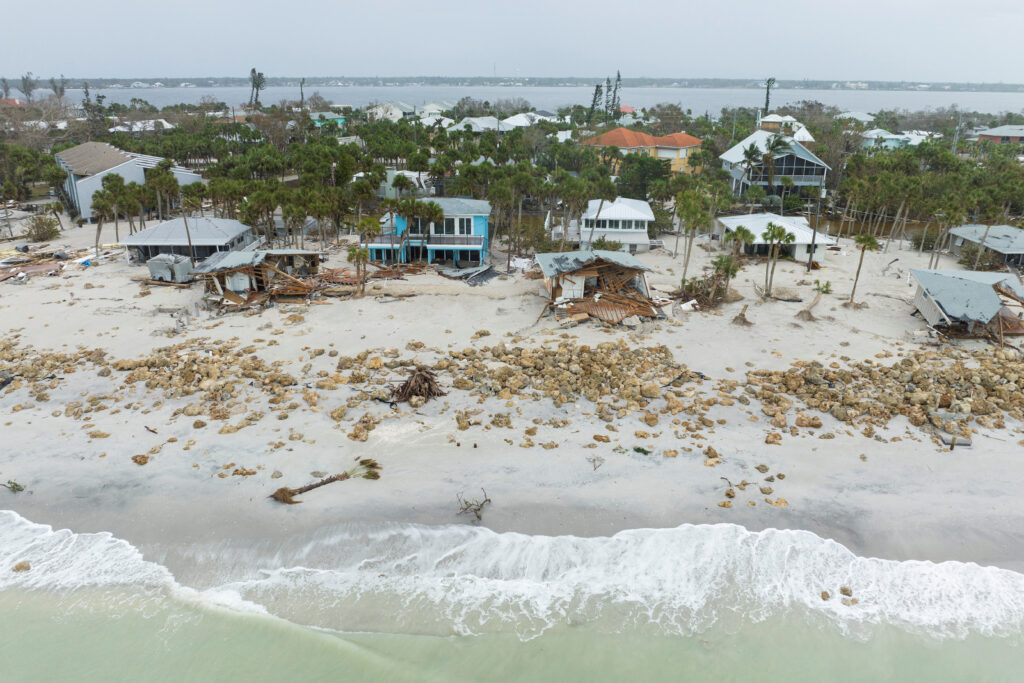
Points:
(605, 190)
(775, 146)
(115, 187)
(784, 237)
(866, 242)
(724, 267)
(102, 209)
(401, 183)
(787, 184)
(751, 158)
(739, 237)
(755, 195)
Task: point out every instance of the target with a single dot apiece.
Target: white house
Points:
(623, 220)
(392, 112)
(88, 163)
(207, 236)
(526, 119)
(480, 124)
(757, 223)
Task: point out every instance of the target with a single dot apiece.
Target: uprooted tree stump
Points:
(422, 383)
(805, 313)
(741, 317)
(366, 469)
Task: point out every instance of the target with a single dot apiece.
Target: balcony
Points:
(386, 239)
(455, 240)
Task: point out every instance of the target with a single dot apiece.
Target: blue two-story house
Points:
(460, 239)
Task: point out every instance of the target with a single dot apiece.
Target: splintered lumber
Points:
(421, 382)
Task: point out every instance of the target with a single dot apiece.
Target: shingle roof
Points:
(205, 232)
(967, 295)
(629, 139)
(1006, 239)
(90, 158)
(555, 263)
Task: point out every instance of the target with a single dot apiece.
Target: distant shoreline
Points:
(552, 82)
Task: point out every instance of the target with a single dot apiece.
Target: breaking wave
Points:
(468, 580)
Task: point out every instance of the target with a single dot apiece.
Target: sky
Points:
(912, 40)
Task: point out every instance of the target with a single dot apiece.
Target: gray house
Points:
(971, 300)
(88, 163)
(1005, 240)
(794, 161)
(208, 236)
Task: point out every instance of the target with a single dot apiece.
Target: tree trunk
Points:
(981, 248)
(857, 276)
(593, 227)
(775, 261)
(99, 227)
(888, 238)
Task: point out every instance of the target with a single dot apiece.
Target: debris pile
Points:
(946, 389)
(422, 385)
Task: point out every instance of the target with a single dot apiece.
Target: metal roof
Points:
(1005, 239)
(757, 223)
(556, 263)
(621, 208)
(204, 231)
(760, 138)
(1000, 131)
(967, 295)
(90, 158)
(461, 206)
(229, 260)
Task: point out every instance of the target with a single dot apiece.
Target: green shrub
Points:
(42, 229)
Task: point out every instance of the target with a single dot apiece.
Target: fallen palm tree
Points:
(422, 383)
(366, 469)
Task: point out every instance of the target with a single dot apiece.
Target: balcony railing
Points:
(455, 240)
(387, 239)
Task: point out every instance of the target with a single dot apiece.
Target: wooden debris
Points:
(422, 383)
(366, 469)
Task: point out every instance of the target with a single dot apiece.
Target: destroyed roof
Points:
(967, 295)
(1006, 239)
(556, 263)
(229, 260)
(204, 231)
(757, 223)
(168, 258)
(90, 158)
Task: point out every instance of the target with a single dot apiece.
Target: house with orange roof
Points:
(675, 148)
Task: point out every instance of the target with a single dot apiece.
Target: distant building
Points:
(88, 163)
(461, 238)
(1002, 134)
(208, 236)
(676, 148)
(858, 116)
(139, 127)
(391, 111)
(624, 221)
(879, 138)
(11, 102)
(971, 301)
(322, 118)
(794, 161)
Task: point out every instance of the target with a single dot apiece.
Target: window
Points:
(627, 225)
(465, 226)
(613, 225)
(449, 226)
(415, 226)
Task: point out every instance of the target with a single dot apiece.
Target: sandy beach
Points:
(896, 493)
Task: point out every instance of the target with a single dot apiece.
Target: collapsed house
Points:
(607, 285)
(170, 268)
(969, 302)
(245, 278)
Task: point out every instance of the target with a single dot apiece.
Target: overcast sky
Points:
(917, 40)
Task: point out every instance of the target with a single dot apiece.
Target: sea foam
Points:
(469, 580)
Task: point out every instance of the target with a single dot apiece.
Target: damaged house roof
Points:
(557, 263)
(965, 295)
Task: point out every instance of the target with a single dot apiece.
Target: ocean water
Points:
(698, 100)
(413, 603)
